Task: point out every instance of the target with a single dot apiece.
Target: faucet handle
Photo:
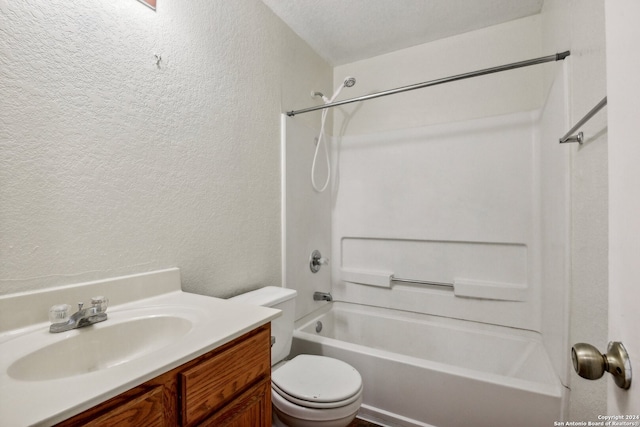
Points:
(316, 260)
(100, 303)
(59, 313)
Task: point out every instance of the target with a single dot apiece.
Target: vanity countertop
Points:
(44, 393)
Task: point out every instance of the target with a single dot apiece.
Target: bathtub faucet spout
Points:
(322, 296)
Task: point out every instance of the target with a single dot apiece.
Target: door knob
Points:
(589, 363)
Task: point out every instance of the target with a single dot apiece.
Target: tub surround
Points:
(456, 204)
(24, 330)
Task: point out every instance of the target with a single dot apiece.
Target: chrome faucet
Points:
(316, 260)
(322, 296)
(61, 321)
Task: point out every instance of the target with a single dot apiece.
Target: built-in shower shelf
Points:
(463, 288)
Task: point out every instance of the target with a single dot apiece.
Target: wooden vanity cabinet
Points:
(229, 386)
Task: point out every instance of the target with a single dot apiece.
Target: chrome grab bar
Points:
(421, 282)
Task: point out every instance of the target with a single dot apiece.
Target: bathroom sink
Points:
(99, 347)
(152, 327)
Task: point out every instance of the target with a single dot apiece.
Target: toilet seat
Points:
(317, 382)
(315, 405)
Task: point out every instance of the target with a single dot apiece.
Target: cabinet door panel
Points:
(144, 410)
(213, 383)
(137, 408)
(253, 408)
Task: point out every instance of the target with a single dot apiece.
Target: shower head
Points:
(347, 82)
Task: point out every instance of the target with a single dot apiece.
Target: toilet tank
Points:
(281, 327)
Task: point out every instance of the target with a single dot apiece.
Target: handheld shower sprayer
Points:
(347, 82)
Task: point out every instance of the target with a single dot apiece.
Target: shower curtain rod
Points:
(514, 65)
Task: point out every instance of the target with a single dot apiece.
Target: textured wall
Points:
(112, 164)
(579, 26)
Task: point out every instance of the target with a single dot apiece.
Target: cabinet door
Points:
(253, 408)
(145, 408)
(212, 384)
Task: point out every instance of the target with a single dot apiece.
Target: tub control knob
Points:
(316, 261)
(589, 363)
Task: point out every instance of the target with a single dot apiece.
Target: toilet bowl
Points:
(308, 390)
(287, 415)
(315, 391)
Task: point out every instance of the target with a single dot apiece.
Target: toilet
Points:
(308, 390)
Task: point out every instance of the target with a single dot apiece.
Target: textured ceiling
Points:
(344, 31)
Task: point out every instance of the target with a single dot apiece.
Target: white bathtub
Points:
(421, 370)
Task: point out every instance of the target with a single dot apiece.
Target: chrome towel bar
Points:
(570, 137)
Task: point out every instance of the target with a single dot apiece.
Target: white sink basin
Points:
(99, 347)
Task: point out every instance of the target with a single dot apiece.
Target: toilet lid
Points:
(317, 379)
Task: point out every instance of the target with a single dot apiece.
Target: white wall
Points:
(555, 222)
(113, 165)
(497, 94)
(307, 214)
(579, 25)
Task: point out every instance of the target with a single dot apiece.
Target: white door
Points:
(623, 91)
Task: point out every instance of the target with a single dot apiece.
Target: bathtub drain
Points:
(318, 326)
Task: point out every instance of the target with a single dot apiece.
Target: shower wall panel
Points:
(306, 221)
(454, 203)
